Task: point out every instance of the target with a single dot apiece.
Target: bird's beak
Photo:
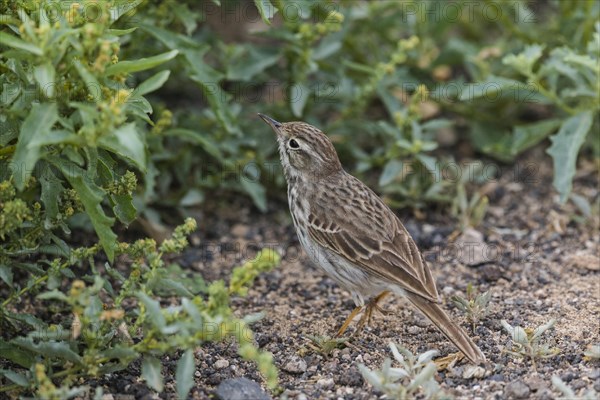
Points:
(271, 122)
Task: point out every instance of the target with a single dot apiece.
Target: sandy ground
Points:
(535, 258)
(538, 259)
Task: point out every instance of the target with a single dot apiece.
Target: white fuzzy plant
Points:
(526, 342)
(414, 375)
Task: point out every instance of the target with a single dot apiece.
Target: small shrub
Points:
(592, 352)
(475, 306)
(568, 393)
(526, 342)
(414, 377)
(117, 319)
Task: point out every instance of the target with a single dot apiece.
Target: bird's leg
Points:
(351, 317)
(371, 305)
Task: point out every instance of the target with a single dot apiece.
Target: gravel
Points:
(543, 266)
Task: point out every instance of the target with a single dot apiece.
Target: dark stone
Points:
(214, 379)
(490, 272)
(517, 390)
(497, 378)
(567, 376)
(351, 377)
(262, 340)
(240, 389)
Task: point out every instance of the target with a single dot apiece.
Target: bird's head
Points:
(304, 150)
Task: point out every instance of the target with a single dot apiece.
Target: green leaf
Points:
(266, 10)
(581, 202)
(490, 88)
(122, 32)
(125, 67)
(53, 295)
(51, 190)
(188, 18)
(17, 43)
(204, 141)
(91, 197)
(256, 192)
(120, 352)
(193, 197)
(565, 148)
(153, 310)
(251, 63)
(299, 94)
(9, 351)
(38, 123)
(126, 143)
(124, 208)
(15, 377)
(390, 172)
(91, 83)
(122, 8)
(153, 83)
(44, 75)
(6, 275)
(151, 373)
(171, 287)
(28, 319)
(186, 366)
(524, 61)
(56, 136)
(492, 140)
(527, 136)
(50, 349)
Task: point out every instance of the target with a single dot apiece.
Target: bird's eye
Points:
(293, 144)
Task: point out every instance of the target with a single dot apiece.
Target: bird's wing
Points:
(362, 229)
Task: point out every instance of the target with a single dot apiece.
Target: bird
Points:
(348, 231)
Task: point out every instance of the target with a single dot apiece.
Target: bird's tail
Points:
(455, 333)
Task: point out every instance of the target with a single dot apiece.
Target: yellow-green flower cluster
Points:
(381, 70)
(311, 32)
(14, 213)
(165, 121)
(71, 202)
(179, 241)
(126, 185)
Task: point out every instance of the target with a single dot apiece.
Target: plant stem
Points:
(21, 292)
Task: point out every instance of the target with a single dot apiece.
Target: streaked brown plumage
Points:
(353, 235)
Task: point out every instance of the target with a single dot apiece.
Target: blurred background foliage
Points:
(389, 82)
(120, 111)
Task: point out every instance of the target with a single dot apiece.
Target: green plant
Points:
(475, 306)
(468, 212)
(526, 342)
(68, 144)
(568, 393)
(554, 75)
(592, 352)
(325, 344)
(117, 319)
(414, 377)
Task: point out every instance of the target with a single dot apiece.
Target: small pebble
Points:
(325, 383)
(295, 365)
(517, 390)
(240, 388)
(239, 230)
(220, 364)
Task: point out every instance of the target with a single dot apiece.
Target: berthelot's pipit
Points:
(347, 230)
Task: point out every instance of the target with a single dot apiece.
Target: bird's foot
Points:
(350, 318)
(448, 361)
(365, 318)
